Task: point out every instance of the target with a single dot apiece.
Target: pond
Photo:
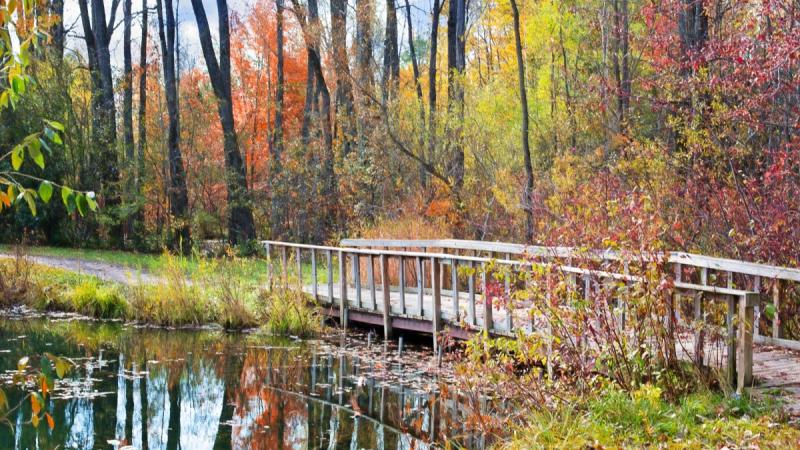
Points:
(208, 389)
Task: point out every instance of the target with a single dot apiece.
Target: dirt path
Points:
(103, 270)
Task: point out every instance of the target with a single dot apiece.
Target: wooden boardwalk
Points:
(433, 286)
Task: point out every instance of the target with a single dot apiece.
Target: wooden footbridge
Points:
(434, 285)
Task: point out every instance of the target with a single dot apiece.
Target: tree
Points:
(142, 133)
(279, 201)
(345, 112)
(97, 34)
(391, 56)
(127, 105)
(178, 195)
(526, 150)
(240, 215)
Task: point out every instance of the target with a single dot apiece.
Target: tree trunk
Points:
(391, 57)
(423, 174)
(58, 31)
(344, 87)
(526, 150)
(437, 9)
(240, 216)
(141, 145)
(97, 33)
(279, 203)
(127, 109)
(178, 194)
(456, 25)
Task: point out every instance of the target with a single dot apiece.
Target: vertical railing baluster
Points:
(757, 308)
(729, 322)
(343, 289)
(329, 259)
(371, 280)
(777, 293)
(298, 257)
(387, 299)
(488, 321)
(357, 277)
(314, 288)
(509, 306)
(402, 281)
(284, 267)
(471, 287)
(420, 286)
(454, 290)
(269, 265)
(436, 290)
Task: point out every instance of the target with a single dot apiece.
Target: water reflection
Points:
(208, 390)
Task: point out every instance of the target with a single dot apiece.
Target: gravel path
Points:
(103, 270)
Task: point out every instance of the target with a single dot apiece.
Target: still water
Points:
(196, 390)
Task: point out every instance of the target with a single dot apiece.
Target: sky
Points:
(188, 33)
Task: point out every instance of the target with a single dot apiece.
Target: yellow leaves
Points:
(3, 400)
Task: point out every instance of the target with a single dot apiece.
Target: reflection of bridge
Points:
(443, 283)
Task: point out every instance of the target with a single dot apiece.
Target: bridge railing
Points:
(469, 307)
(775, 283)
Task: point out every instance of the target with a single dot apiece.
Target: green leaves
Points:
(17, 156)
(45, 191)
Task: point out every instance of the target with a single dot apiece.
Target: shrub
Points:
(289, 312)
(97, 300)
(15, 278)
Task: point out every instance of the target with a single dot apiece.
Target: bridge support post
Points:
(387, 303)
(744, 341)
(436, 286)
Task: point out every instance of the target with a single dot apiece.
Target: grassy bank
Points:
(616, 419)
(211, 291)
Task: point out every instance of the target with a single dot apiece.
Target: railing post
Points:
(314, 288)
(454, 286)
(284, 267)
(387, 303)
(371, 281)
(402, 281)
(757, 311)
(342, 289)
(731, 331)
(699, 335)
(509, 308)
(436, 286)
(420, 285)
(329, 259)
(269, 266)
(488, 321)
(356, 259)
(299, 261)
(471, 287)
(777, 292)
(744, 352)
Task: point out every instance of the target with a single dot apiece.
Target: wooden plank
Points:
(699, 336)
(757, 288)
(342, 289)
(387, 304)
(436, 287)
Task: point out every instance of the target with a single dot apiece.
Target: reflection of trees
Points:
(202, 395)
(122, 397)
(79, 415)
(157, 407)
(258, 407)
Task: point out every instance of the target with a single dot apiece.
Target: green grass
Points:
(251, 270)
(615, 419)
(214, 292)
